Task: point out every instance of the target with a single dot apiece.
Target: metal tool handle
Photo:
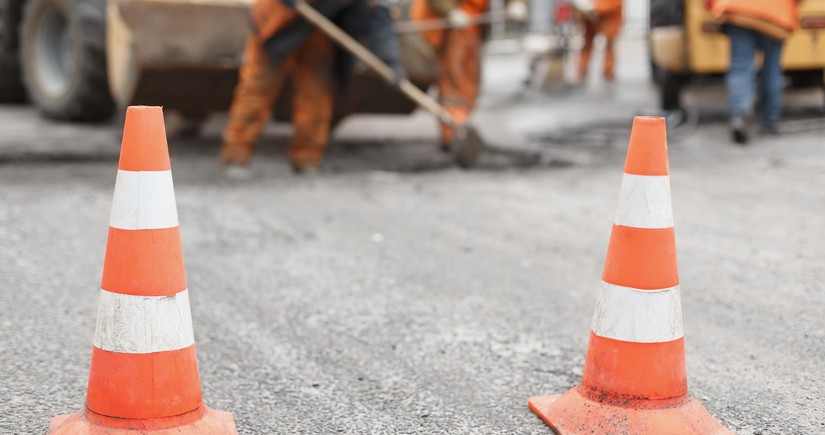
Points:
(443, 23)
(366, 56)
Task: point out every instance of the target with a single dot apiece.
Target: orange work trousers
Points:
(261, 81)
(459, 61)
(608, 24)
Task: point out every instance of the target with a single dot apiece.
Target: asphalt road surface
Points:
(394, 293)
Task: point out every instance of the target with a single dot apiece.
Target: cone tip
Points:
(144, 146)
(652, 120)
(647, 150)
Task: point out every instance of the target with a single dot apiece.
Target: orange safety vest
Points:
(607, 6)
(420, 10)
(270, 16)
(775, 18)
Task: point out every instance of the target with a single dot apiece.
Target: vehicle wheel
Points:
(63, 58)
(11, 86)
(670, 89)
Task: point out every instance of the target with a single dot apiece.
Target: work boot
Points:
(445, 142)
(235, 153)
(771, 130)
(235, 159)
(305, 160)
(238, 172)
(739, 129)
(305, 156)
(609, 76)
(306, 170)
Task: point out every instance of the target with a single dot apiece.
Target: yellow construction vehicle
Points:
(84, 60)
(686, 43)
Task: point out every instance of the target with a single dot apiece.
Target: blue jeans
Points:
(741, 77)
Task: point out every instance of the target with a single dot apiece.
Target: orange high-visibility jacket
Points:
(270, 16)
(432, 9)
(607, 6)
(774, 18)
(424, 10)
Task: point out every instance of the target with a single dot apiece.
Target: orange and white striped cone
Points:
(144, 370)
(634, 378)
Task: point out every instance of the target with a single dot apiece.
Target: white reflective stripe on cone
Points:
(641, 316)
(644, 202)
(143, 324)
(144, 200)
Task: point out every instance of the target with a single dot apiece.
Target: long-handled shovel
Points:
(468, 144)
(443, 23)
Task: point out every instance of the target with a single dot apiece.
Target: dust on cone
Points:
(634, 378)
(144, 370)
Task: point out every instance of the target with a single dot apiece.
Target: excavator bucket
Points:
(185, 55)
(182, 54)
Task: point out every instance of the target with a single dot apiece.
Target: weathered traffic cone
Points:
(634, 379)
(144, 371)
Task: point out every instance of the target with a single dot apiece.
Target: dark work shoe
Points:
(769, 131)
(237, 172)
(305, 165)
(305, 160)
(739, 129)
(307, 171)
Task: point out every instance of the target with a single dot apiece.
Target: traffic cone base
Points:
(202, 421)
(574, 413)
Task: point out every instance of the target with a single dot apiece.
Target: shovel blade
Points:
(469, 147)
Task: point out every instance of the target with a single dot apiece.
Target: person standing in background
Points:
(755, 25)
(283, 46)
(600, 17)
(458, 49)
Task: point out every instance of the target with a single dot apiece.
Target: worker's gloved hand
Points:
(458, 19)
(517, 10)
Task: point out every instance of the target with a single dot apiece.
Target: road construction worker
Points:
(283, 46)
(458, 49)
(755, 25)
(600, 17)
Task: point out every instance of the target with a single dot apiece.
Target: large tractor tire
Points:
(63, 58)
(11, 86)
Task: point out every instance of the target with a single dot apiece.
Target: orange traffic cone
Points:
(144, 371)
(634, 379)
